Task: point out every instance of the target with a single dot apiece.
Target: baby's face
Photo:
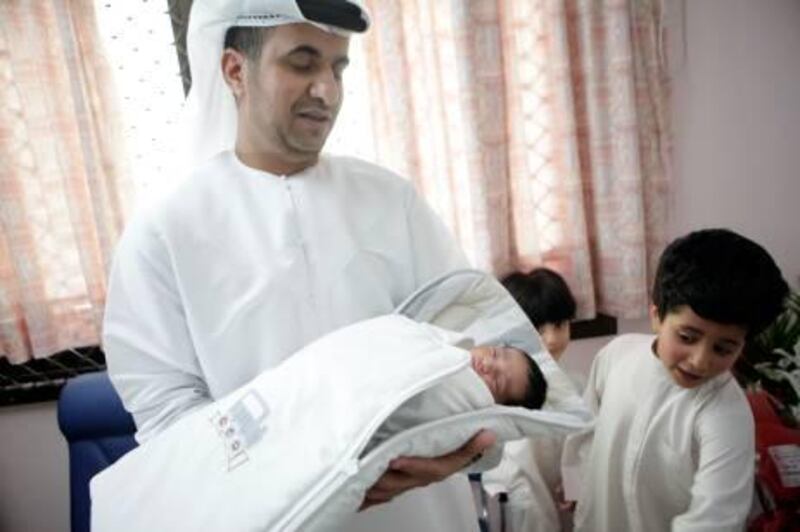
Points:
(504, 370)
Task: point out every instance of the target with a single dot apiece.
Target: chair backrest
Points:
(98, 431)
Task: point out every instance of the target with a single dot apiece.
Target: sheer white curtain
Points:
(538, 129)
(63, 191)
(138, 41)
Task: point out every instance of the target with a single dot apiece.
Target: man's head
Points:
(287, 82)
(547, 301)
(512, 377)
(713, 290)
(226, 41)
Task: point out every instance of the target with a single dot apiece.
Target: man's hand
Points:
(561, 502)
(408, 472)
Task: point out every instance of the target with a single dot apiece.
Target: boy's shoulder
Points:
(721, 396)
(632, 341)
(623, 355)
(628, 345)
(725, 395)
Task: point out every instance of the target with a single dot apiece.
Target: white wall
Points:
(737, 122)
(34, 474)
(737, 147)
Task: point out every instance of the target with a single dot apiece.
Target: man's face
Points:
(694, 350)
(291, 96)
(504, 370)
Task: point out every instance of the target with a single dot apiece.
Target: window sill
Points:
(41, 379)
(602, 325)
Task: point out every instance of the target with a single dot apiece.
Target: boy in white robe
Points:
(673, 444)
(268, 245)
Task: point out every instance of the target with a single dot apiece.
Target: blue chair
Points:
(98, 431)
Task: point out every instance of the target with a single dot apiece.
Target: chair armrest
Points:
(90, 408)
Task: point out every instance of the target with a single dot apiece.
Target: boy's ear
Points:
(234, 71)
(655, 320)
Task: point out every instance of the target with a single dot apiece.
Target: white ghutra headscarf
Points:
(208, 125)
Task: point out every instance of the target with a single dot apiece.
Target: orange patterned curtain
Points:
(536, 128)
(61, 207)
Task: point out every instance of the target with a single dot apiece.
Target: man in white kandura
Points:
(268, 245)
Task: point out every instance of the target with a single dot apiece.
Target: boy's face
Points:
(555, 336)
(694, 350)
(504, 370)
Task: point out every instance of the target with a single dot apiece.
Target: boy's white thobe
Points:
(661, 457)
(238, 268)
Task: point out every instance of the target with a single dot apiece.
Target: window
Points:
(139, 40)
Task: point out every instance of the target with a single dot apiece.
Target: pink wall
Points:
(736, 123)
(736, 120)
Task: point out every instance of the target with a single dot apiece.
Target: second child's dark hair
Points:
(536, 393)
(723, 277)
(543, 295)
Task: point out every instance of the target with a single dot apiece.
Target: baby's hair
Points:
(543, 295)
(536, 392)
(723, 277)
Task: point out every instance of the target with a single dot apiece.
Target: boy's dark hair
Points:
(536, 392)
(247, 40)
(543, 295)
(723, 277)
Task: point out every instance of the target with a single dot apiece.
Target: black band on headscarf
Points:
(338, 13)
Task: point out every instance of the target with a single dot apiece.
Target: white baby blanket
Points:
(287, 450)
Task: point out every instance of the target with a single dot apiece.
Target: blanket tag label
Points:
(241, 426)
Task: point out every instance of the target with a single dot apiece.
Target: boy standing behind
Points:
(545, 298)
(673, 444)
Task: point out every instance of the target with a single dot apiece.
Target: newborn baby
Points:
(497, 375)
(513, 378)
